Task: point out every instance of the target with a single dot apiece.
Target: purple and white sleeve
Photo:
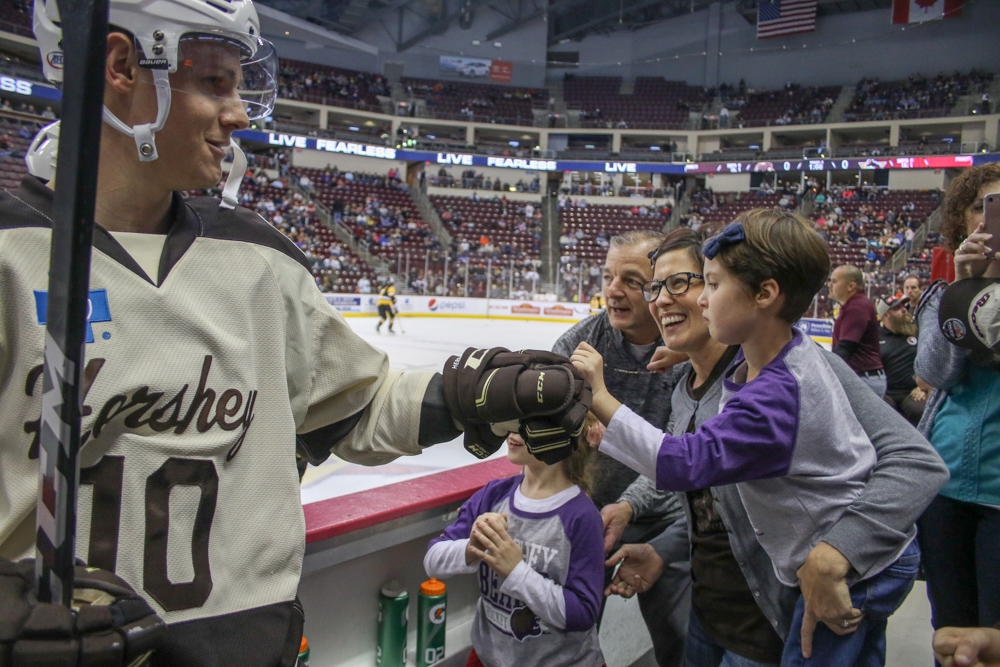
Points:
(752, 438)
(446, 554)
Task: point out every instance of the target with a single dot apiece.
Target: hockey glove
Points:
(111, 625)
(489, 386)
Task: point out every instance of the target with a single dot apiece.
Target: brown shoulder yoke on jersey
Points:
(31, 206)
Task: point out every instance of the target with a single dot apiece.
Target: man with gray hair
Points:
(855, 332)
(626, 335)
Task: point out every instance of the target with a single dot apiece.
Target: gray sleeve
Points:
(646, 500)
(939, 363)
(908, 474)
(569, 340)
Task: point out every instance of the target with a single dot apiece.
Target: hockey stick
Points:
(83, 42)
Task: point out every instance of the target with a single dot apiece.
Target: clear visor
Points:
(220, 67)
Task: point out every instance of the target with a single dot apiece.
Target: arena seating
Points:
(15, 137)
(335, 86)
(861, 236)
(722, 207)
(792, 106)
(458, 100)
(920, 262)
(585, 230)
(915, 97)
(500, 224)
(655, 102)
(400, 231)
(15, 17)
(334, 265)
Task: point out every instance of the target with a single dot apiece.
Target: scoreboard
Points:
(827, 164)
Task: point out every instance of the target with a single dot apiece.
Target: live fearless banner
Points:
(918, 11)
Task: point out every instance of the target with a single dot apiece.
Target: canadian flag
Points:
(918, 11)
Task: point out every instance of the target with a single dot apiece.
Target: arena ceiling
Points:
(412, 21)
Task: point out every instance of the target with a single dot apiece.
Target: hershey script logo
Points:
(142, 408)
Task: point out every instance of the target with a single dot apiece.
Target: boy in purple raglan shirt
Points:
(785, 434)
(536, 543)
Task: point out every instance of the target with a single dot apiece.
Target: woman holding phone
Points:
(959, 532)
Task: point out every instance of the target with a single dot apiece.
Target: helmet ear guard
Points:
(43, 152)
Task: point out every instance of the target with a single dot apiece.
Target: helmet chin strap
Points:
(235, 178)
(144, 135)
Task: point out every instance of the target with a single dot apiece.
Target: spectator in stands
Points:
(898, 351)
(912, 292)
(627, 336)
(855, 332)
(960, 531)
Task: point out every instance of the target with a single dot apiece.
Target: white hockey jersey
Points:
(195, 388)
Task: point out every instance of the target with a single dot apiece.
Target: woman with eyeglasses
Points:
(741, 614)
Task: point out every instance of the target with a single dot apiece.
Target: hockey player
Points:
(386, 306)
(209, 346)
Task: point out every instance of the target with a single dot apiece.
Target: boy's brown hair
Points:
(783, 246)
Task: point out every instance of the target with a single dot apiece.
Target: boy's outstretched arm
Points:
(590, 363)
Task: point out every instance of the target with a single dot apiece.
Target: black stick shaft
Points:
(84, 39)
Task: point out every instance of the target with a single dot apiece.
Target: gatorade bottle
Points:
(393, 613)
(431, 611)
(303, 653)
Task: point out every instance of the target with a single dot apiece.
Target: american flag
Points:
(785, 17)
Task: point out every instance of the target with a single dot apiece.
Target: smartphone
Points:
(991, 216)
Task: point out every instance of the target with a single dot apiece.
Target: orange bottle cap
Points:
(432, 587)
(303, 645)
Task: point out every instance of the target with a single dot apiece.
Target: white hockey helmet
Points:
(162, 29)
(157, 26)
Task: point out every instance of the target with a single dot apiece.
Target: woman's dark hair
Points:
(962, 193)
(684, 239)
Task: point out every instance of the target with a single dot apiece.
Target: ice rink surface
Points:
(425, 343)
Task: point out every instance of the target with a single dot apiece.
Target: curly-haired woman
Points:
(960, 532)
